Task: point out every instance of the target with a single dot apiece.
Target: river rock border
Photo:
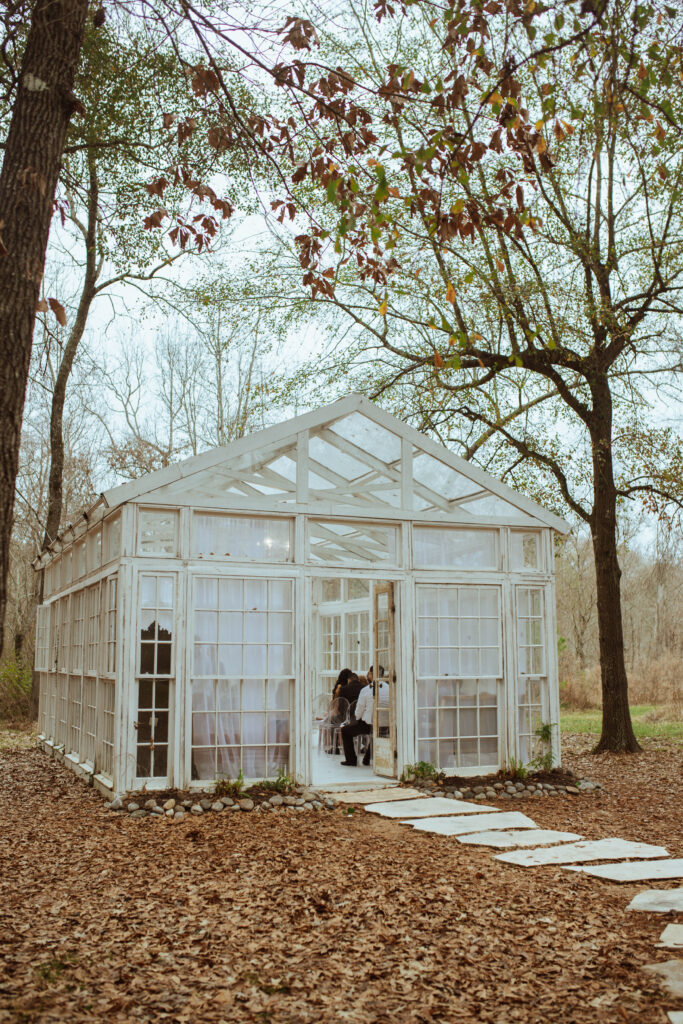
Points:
(302, 798)
(508, 790)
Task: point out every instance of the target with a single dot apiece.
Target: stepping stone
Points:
(507, 840)
(575, 853)
(658, 901)
(456, 826)
(426, 808)
(676, 1016)
(671, 973)
(672, 937)
(371, 796)
(636, 870)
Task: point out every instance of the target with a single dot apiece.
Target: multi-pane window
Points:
(458, 632)
(357, 642)
(94, 549)
(156, 624)
(458, 722)
(242, 676)
(152, 728)
(93, 602)
(241, 537)
(75, 693)
(157, 606)
(77, 642)
(106, 715)
(43, 638)
(532, 693)
(240, 725)
(531, 649)
(330, 641)
(525, 550)
(157, 532)
(110, 586)
(459, 667)
(67, 567)
(350, 543)
(89, 719)
(112, 538)
(64, 634)
(80, 560)
(453, 548)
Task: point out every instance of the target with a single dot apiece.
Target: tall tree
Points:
(510, 239)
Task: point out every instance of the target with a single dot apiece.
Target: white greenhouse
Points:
(196, 620)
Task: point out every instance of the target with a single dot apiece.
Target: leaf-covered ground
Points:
(321, 917)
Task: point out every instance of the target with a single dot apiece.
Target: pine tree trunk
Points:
(28, 181)
(617, 730)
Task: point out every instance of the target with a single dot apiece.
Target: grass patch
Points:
(646, 719)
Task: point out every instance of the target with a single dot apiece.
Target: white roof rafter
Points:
(249, 461)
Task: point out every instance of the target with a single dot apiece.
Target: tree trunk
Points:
(28, 181)
(617, 730)
(55, 491)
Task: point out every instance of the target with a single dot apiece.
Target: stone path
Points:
(478, 825)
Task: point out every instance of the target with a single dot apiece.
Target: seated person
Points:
(352, 688)
(361, 726)
(342, 680)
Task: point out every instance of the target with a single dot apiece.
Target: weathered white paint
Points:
(576, 853)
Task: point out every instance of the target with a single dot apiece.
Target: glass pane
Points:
(468, 722)
(203, 695)
(488, 601)
(428, 632)
(278, 694)
(228, 694)
(254, 762)
(161, 693)
(357, 589)
(230, 659)
(253, 695)
(427, 751)
(448, 661)
(205, 660)
(227, 762)
(279, 659)
(205, 626)
(469, 661)
(203, 729)
(489, 750)
(448, 754)
(157, 532)
(428, 661)
(147, 659)
(243, 538)
(278, 727)
(489, 661)
(453, 548)
(255, 625)
(279, 594)
(469, 757)
(254, 660)
(426, 693)
(369, 436)
(231, 594)
(448, 722)
(488, 722)
(144, 727)
(145, 693)
(148, 591)
(439, 477)
(279, 627)
(448, 692)
(255, 595)
(143, 763)
(427, 601)
(204, 763)
(161, 728)
(426, 724)
(164, 659)
(205, 593)
(228, 729)
(331, 590)
(230, 627)
(278, 759)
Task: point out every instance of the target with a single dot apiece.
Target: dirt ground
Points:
(322, 917)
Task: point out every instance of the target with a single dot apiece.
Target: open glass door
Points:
(384, 705)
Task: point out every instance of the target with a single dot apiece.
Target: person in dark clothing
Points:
(342, 680)
(363, 724)
(351, 689)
